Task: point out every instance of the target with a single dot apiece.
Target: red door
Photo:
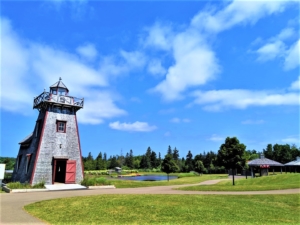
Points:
(70, 172)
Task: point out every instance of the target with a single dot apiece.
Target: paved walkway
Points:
(12, 204)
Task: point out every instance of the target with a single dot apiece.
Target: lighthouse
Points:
(52, 152)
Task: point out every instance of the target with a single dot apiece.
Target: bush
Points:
(95, 181)
(18, 185)
(191, 174)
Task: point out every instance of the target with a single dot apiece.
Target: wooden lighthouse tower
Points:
(52, 153)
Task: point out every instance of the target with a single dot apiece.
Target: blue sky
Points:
(179, 73)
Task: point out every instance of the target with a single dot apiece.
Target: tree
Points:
(189, 162)
(153, 160)
(199, 167)
(231, 154)
(169, 152)
(169, 165)
(175, 154)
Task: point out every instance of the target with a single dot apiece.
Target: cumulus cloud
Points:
(218, 100)
(136, 126)
(195, 63)
(270, 51)
(292, 59)
(87, 51)
(277, 47)
(119, 65)
(29, 67)
(155, 68)
(159, 36)
(235, 13)
(295, 85)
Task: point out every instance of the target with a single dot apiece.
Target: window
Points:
(53, 91)
(19, 162)
(61, 91)
(28, 160)
(37, 128)
(61, 126)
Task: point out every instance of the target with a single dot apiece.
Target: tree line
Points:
(206, 162)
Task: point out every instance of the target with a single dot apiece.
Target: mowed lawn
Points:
(272, 182)
(119, 183)
(170, 209)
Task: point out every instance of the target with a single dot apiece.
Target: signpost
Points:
(2, 171)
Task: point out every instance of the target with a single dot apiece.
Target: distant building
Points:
(52, 152)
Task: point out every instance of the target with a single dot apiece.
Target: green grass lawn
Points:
(170, 209)
(272, 182)
(184, 180)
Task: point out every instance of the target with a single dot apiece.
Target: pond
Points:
(149, 178)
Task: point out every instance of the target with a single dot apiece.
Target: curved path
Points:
(12, 204)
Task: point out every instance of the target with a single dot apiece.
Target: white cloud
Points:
(217, 100)
(133, 59)
(175, 120)
(195, 62)
(167, 134)
(270, 51)
(295, 85)
(87, 51)
(292, 59)
(294, 139)
(235, 13)
(286, 33)
(136, 126)
(113, 66)
(159, 36)
(186, 120)
(155, 68)
(253, 122)
(216, 138)
(276, 48)
(28, 68)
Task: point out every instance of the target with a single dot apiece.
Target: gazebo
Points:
(294, 163)
(264, 165)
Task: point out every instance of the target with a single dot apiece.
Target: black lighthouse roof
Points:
(59, 84)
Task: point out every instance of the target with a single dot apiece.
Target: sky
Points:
(155, 73)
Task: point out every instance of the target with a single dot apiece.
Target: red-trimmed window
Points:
(61, 126)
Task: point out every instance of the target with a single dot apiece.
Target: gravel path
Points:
(12, 204)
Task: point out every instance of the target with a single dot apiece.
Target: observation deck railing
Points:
(47, 97)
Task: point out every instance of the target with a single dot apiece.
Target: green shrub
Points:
(39, 185)
(95, 181)
(192, 174)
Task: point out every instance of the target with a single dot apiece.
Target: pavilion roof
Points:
(264, 161)
(294, 163)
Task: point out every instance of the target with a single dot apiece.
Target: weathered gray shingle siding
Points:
(50, 147)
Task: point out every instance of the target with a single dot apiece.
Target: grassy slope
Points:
(273, 182)
(184, 180)
(169, 209)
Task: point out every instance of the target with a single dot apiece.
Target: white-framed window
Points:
(61, 126)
